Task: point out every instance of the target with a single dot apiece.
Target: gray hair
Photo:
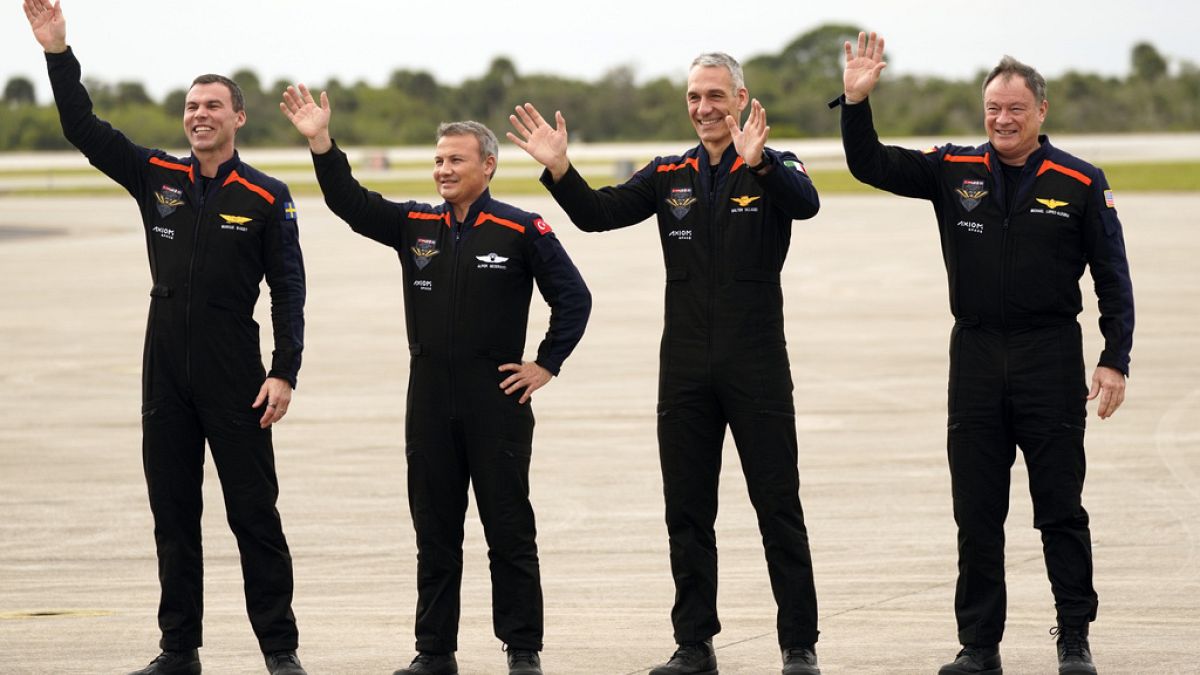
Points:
(1008, 67)
(488, 145)
(722, 60)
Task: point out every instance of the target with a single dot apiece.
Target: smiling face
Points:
(710, 97)
(1013, 118)
(209, 119)
(459, 172)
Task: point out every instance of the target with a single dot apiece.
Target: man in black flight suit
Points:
(1019, 220)
(725, 211)
(469, 267)
(214, 227)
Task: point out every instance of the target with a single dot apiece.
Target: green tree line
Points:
(794, 85)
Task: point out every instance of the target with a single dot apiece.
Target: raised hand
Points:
(863, 67)
(750, 139)
(546, 144)
(310, 119)
(49, 26)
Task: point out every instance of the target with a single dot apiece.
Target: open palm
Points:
(863, 66)
(49, 26)
(546, 144)
(304, 113)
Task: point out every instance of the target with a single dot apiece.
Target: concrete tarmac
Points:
(868, 324)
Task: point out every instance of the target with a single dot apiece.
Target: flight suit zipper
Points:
(457, 231)
(187, 304)
(714, 245)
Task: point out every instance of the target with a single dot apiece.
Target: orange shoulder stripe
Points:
(737, 164)
(173, 166)
(1047, 165)
(691, 161)
(969, 158)
(421, 215)
(485, 217)
(235, 178)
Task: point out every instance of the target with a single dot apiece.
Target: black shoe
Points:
(800, 661)
(284, 663)
(693, 658)
(524, 662)
(1074, 653)
(431, 664)
(173, 663)
(972, 660)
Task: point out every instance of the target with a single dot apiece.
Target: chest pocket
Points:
(753, 241)
(236, 231)
(1052, 214)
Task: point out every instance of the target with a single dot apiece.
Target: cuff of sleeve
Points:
(59, 57)
(332, 152)
(841, 101)
(287, 377)
(571, 176)
(1122, 368)
(554, 368)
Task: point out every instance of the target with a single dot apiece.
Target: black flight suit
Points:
(209, 249)
(1014, 259)
(467, 288)
(725, 233)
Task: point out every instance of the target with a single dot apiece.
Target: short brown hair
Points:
(235, 92)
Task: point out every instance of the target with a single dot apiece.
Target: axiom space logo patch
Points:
(168, 199)
(971, 193)
(423, 251)
(680, 201)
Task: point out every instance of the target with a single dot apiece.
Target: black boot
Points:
(693, 658)
(800, 661)
(431, 664)
(524, 662)
(974, 660)
(1074, 653)
(284, 663)
(173, 663)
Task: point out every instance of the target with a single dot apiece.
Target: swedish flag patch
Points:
(289, 210)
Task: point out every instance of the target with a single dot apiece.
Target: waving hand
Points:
(310, 119)
(546, 144)
(49, 26)
(750, 139)
(863, 67)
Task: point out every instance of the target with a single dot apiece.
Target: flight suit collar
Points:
(1028, 171)
(472, 213)
(227, 167)
(728, 157)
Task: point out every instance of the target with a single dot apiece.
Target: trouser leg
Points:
(691, 429)
(500, 477)
(1049, 413)
(245, 462)
(764, 428)
(980, 450)
(173, 462)
(437, 501)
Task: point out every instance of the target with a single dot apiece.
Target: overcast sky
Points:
(164, 43)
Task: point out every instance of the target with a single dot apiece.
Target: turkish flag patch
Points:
(542, 226)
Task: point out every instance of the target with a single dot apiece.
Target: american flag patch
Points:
(1108, 199)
